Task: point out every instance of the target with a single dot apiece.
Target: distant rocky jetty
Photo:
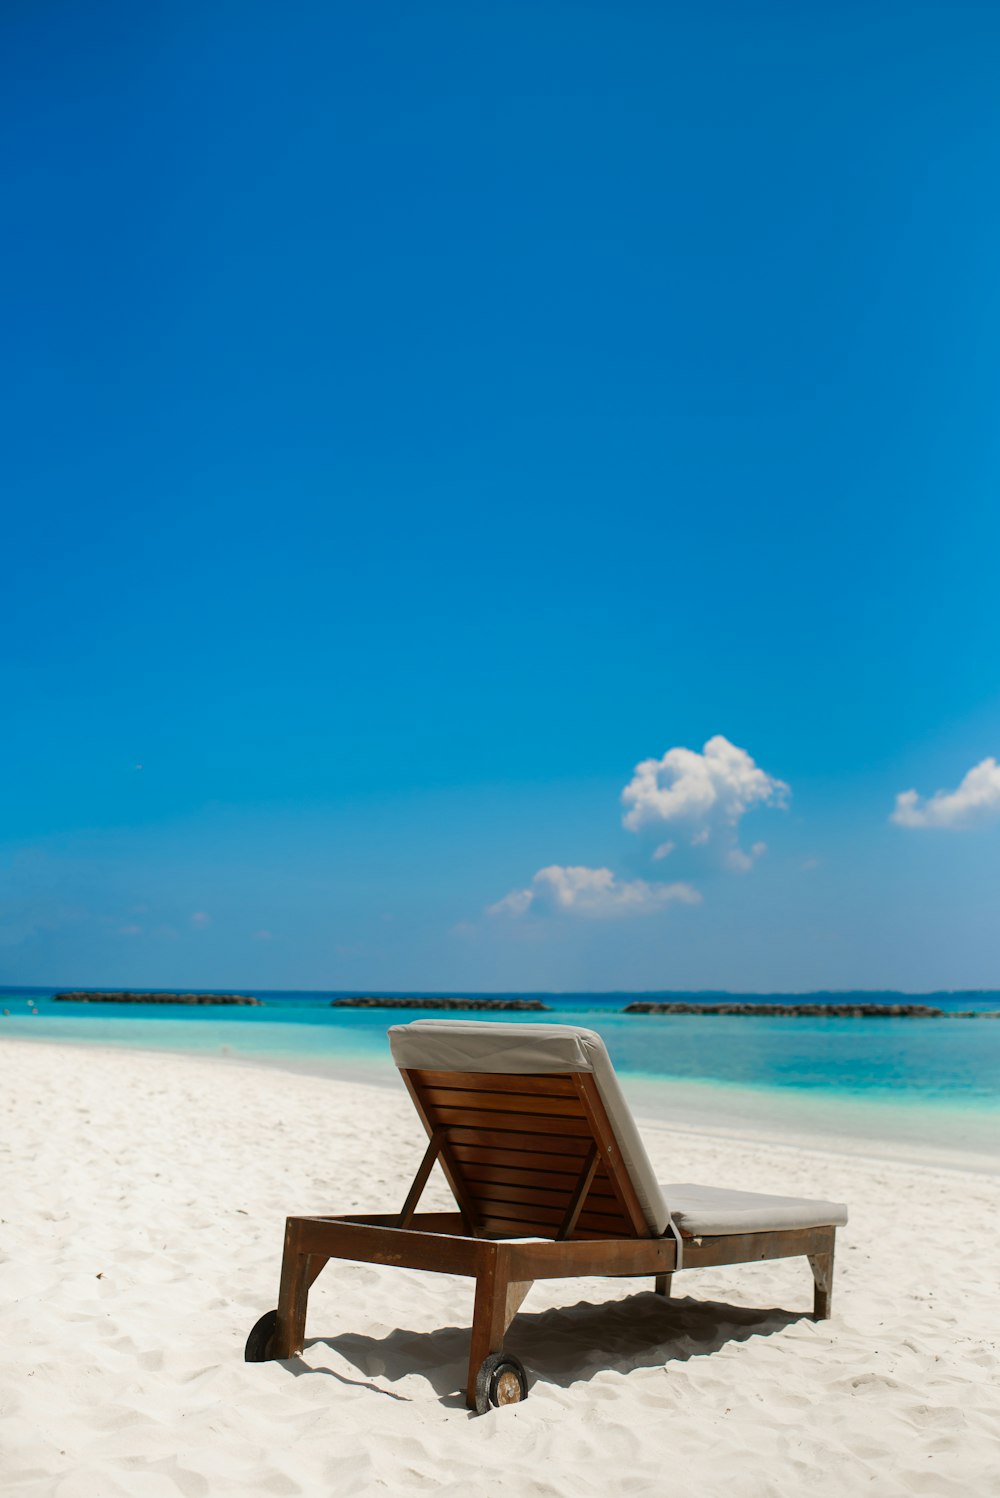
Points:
(519, 1006)
(153, 998)
(813, 1011)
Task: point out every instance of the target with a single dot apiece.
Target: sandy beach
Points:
(143, 1205)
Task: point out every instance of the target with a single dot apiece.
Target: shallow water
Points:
(912, 1081)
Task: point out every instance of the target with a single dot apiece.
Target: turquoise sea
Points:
(917, 1084)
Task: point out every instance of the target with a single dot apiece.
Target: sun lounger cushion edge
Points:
(535, 1049)
(712, 1210)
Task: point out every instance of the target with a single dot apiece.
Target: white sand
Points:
(143, 1201)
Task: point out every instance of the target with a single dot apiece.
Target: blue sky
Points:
(418, 417)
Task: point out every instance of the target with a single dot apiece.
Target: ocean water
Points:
(918, 1083)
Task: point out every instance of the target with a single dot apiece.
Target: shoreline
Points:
(704, 1110)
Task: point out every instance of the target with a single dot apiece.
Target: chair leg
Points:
(822, 1268)
(293, 1295)
(498, 1299)
(663, 1284)
(488, 1322)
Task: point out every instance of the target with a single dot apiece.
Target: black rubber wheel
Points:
(501, 1380)
(259, 1341)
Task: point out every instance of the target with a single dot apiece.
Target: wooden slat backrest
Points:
(515, 1149)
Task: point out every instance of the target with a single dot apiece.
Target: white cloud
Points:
(200, 919)
(592, 893)
(974, 801)
(703, 796)
(685, 786)
(706, 794)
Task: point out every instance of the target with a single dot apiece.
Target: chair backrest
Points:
(536, 1138)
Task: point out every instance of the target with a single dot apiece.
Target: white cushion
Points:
(499, 1047)
(706, 1211)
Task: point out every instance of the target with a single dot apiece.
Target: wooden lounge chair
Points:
(551, 1180)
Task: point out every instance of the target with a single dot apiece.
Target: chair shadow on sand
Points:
(563, 1345)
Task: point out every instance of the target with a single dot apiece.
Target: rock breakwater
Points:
(517, 1006)
(84, 997)
(793, 1011)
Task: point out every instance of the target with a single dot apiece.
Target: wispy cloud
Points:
(200, 919)
(592, 893)
(740, 862)
(974, 801)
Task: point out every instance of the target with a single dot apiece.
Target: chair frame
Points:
(474, 1241)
